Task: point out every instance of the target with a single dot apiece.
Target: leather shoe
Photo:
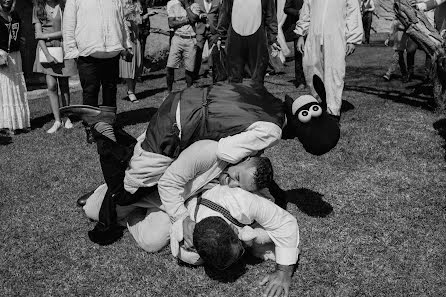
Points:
(83, 199)
(90, 114)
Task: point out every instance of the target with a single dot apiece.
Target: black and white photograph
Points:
(230, 148)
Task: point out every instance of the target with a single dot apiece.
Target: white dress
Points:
(14, 110)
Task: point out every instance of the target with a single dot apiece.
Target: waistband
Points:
(185, 36)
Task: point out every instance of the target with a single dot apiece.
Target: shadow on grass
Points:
(39, 122)
(413, 99)
(5, 140)
(137, 116)
(440, 126)
(309, 202)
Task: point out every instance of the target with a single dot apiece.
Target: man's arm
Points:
(354, 23)
(196, 166)
(303, 23)
(224, 19)
(69, 26)
(429, 4)
(283, 230)
(258, 136)
(270, 20)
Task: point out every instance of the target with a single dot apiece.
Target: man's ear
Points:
(319, 87)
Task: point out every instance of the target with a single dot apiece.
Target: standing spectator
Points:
(292, 8)
(248, 27)
(144, 27)
(47, 21)
(400, 42)
(367, 8)
(332, 28)
(94, 31)
(183, 43)
(206, 29)
(130, 70)
(14, 110)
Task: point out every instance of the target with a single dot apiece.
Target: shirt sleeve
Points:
(303, 23)
(69, 26)
(280, 225)
(259, 136)
(354, 23)
(193, 169)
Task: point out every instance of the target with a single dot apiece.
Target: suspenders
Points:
(218, 208)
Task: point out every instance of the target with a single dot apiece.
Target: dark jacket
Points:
(16, 32)
(291, 9)
(212, 19)
(215, 112)
(269, 20)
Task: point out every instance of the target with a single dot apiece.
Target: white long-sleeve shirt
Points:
(194, 169)
(94, 28)
(248, 207)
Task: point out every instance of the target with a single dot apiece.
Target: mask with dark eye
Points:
(309, 122)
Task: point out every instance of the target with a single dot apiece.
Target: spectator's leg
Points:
(198, 55)
(258, 56)
(402, 63)
(189, 57)
(109, 79)
(88, 68)
(298, 70)
(367, 25)
(173, 61)
(237, 52)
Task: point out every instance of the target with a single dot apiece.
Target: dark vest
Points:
(210, 113)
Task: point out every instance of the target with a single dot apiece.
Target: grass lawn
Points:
(371, 212)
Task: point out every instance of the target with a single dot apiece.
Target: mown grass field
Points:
(372, 212)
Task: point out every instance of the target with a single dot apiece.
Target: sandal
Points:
(132, 97)
(56, 126)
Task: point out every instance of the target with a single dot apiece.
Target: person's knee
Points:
(152, 233)
(52, 86)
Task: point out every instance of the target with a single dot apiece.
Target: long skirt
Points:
(134, 68)
(14, 110)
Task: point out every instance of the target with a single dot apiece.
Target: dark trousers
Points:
(201, 40)
(93, 74)
(247, 50)
(367, 25)
(298, 70)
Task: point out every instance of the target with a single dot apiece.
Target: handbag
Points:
(219, 67)
(55, 51)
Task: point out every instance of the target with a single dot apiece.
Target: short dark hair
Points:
(214, 240)
(264, 173)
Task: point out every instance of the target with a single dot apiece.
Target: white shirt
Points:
(248, 207)
(207, 5)
(94, 28)
(194, 169)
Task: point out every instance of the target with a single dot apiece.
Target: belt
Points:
(185, 36)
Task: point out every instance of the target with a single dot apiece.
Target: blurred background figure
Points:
(132, 69)
(182, 51)
(47, 21)
(145, 26)
(292, 8)
(367, 8)
(248, 29)
(206, 29)
(14, 110)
